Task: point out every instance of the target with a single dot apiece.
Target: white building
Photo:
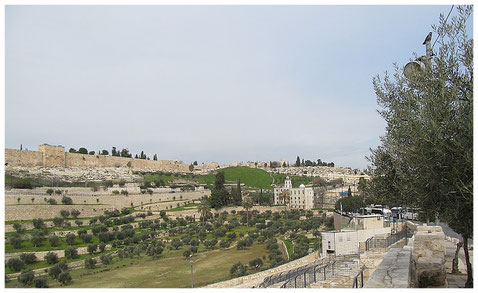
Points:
(299, 198)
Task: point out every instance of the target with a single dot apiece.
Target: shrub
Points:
(49, 191)
(66, 200)
(102, 247)
(79, 223)
(58, 191)
(28, 258)
(90, 263)
(124, 192)
(15, 264)
(115, 192)
(51, 201)
(51, 258)
(64, 278)
(26, 277)
(40, 282)
(71, 252)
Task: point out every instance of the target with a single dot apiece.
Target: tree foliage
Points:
(426, 156)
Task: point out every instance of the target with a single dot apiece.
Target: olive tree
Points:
(426, 156)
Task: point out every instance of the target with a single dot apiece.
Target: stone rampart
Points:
(55, 156)
(23, 158)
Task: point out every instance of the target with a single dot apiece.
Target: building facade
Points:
(298, 198)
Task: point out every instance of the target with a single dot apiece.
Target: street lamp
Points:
(421, 63)
(192, 276)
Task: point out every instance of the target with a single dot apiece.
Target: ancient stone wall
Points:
(55, 156)
(23, 158)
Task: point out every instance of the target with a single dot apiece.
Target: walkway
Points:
(455, 280)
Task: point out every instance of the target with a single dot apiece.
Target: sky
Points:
(206, 83)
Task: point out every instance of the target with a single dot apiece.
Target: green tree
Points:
(90, 263)
(65, 213)
(297, 162)
(155, 157)
(38, 223)
(220, 180)
(66, 200)
(125, 153)
(51, 258)
(83, 150)
(15, 264)
(104, 152)
(247, 205)
(71, 252)
(426, 156)
(26, 277)
(72, 150)
(70, 238)
(284, 197)
(64, 278)
(53, 240)
(75, 213)
(237, 270)
(40, 282)
(204, 209)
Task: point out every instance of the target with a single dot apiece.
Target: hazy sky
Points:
(206, 83)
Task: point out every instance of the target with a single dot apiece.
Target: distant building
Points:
(299, 198)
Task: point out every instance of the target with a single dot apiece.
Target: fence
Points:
(373, 243)
(357, 283)
(317, 271)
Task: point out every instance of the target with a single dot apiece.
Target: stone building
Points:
(299, 198)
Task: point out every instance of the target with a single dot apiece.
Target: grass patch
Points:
(167, 272)
(289, 246)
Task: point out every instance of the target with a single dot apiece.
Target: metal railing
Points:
(373, 243)
(357, 283)
(311, 275)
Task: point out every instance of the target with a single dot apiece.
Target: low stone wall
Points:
(429, 256)
(254, 280)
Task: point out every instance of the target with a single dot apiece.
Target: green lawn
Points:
(172, 272)
(289, 246)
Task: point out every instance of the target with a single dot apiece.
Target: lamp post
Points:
(192, 276)
(419, 65)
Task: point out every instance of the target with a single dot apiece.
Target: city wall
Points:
(55, 156)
